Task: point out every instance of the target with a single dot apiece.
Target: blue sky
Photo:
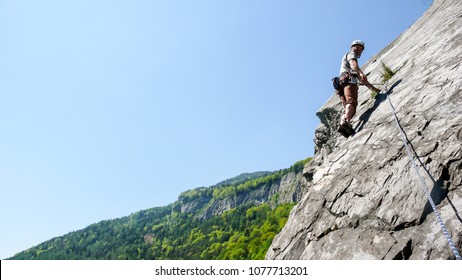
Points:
(109, 107)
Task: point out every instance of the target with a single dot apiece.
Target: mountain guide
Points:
(347, 85)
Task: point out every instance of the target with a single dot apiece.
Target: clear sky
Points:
(108, 107)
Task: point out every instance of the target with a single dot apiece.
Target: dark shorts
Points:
(351, 95)
(348, 92)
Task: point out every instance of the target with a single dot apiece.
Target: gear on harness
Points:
(345, 78)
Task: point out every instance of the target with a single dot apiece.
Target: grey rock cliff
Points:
(363, 198)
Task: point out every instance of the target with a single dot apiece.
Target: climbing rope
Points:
(424, 186)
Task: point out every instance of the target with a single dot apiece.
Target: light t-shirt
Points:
(345, 66)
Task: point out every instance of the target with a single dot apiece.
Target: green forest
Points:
(241, 233)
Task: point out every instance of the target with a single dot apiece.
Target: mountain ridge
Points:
(234, 219)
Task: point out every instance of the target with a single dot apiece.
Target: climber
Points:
(350, 76)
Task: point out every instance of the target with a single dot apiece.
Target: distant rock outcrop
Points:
(287, 189)
(364, 200)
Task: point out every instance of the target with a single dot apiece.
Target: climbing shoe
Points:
(343, 132)
(346, 126)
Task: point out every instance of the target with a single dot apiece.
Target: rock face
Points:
(364, 199)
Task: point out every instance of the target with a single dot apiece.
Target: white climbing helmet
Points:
(358, 42)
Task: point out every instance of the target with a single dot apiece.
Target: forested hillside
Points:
(182, 231)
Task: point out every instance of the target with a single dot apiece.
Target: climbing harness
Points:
(424, 186)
